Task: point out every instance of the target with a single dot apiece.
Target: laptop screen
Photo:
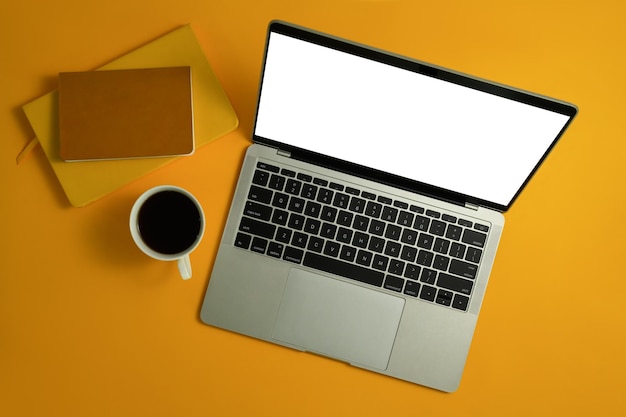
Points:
(404, 118)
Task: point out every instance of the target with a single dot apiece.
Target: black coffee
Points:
(169, 222)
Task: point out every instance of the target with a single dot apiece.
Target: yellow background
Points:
(89, 326)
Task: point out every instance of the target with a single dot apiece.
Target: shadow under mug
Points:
(167, 223)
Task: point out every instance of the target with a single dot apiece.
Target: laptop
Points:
(368, 210)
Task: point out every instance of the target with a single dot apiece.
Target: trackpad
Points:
(338, 319)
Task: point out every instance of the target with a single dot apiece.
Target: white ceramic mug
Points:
(167, 223)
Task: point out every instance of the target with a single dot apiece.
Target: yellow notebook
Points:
(124, 114)
(84, 182)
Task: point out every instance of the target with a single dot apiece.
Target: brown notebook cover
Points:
(117, 114)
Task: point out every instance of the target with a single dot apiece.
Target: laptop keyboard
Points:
(388, 243)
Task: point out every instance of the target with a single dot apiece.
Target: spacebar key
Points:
(343, 269)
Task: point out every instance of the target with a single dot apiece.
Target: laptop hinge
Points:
(471, 206)
(286, 154)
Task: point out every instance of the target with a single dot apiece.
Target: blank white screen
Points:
(399, 121)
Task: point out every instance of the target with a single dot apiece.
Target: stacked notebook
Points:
(170, 77)
(123, 114)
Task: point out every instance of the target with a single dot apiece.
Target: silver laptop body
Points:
(368, 211)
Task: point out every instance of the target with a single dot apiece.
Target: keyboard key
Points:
(275, 249)
(396, 267)
(288, 173)
(373, 209)
(315, 244)
(347, 253)
(328, 230)
(325, 195)
(258, 245)
(260, 177)
(412, 271)
(416, 209)
(376, 244)
(384, 200)
(267, 167)
(425, 258)
(344, 218)
(463, 269)
(296, 221)
(454, 232)
(304, 177)
(409, 237)
(456, 284)
(276, 182)
(392, 249)
(364, 258)
(296, 204)
(448, 218)
(280, 200)
(411, 288)
(408, 253)
(393, 232)
(257, 228)
(481, 227)
(329, 214)
(321, 182)
(428, 293)
(360, 239)
(457, 250)
(312, 209)
(344, 235)
(428, 276)
(299, 240)
(308, 191)
(444, 297)
(259, 194)
(341, 200)
(473, 254)
(344, 269)
(474, 238)
(437, 227)
(377, 227)
(433, 213)
(280, 217)
(243, 240)
(464, 222)
(441, 262)
(368, 195)
(357, 205)
(352, 191)
(393, 283)
(421, 223)
(293, 255)
(293, 187)
(336, 186)
(441, 246)
(425, 241)
(258, 211)
(405, 219)
(331, 248)
(390, 214)
(361, 223)
(400, 204)
(460, 302)
(283, 235)
(312, 226)
(380, 262)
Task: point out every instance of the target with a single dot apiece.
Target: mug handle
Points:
(184, 267)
